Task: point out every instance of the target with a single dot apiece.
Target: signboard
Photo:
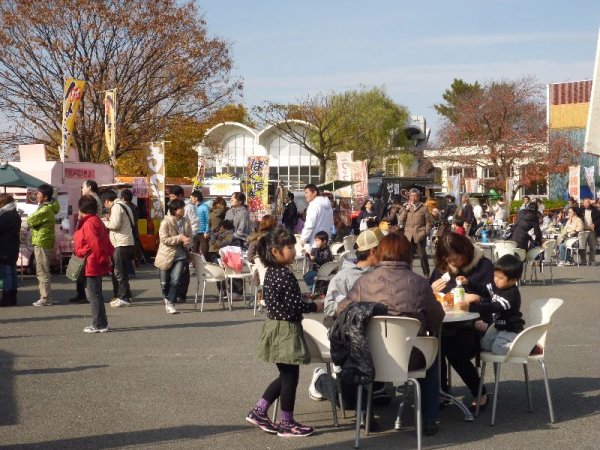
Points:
(140, 187)
(574, 182)
(344, 171)
(80, 173)
(257, 186)
(156, 179)
(359, 173)
(224, 184)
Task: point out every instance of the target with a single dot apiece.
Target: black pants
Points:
(184, 282)
(120, 277)
(459, 348)
(421, 251)
(284, 387)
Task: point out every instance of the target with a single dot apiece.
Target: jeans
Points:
(8, 273)
(120, 277)
(80, 286)
(184, 282)
(170, 279)
(93, 292)
(309, 278)
(497, 342)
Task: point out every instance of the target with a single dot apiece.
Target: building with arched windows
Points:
(226, 148)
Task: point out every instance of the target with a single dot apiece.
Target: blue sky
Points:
(286, 50)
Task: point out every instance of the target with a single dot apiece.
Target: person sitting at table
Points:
(456, 255)
(573, 226)
(405, 293)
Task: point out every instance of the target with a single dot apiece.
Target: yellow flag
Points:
(110, 131)
(74, 90)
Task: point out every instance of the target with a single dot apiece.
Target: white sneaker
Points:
(42, 302)
(170, 308)
(118, 303)
(313, 393)
(561, 264)
(93, 329)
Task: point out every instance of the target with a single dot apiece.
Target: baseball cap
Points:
(368, 239)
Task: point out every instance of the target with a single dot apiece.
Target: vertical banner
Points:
(257, 186)
(471, 185)
(361, 188)
(590, 175)
(110, 131)
(454, 186)
(140, 187)
(574, 173)
(344, 171)
(73, 93)
(156, 179)
(510, 185)
(200, 172)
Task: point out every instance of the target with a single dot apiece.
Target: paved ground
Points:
(187, 380)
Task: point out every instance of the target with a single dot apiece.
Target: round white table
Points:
(454, 317)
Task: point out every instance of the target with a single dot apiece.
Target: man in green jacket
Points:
(42, 224)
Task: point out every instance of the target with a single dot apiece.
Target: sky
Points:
(288, 50)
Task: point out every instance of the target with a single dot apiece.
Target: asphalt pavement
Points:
(186, 381)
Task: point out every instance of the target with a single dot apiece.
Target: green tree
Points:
(158, 54)
(324, 124)
(459, 92)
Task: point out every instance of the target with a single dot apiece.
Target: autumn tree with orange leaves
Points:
(501, 125)
(158, 54)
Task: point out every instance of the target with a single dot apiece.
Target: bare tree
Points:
(157, 54)
(501, 126)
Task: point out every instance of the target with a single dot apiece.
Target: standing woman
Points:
(91, 240)
(10, 229)
(172, 257)
(238, 214)
(456, 255)
(217, 213)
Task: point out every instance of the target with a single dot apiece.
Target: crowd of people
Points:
(378, 271)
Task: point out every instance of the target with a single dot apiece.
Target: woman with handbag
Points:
(91, 242)
(172, 257)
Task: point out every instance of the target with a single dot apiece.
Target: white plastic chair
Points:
(502, 248)
(349, 242)
(337, 249)
(262, 271)
(231, 275)
(541, 312)
(326, 272)
(210, 273)
(300, 254)
(577, 245)
(390, 341)
(530, 261)
(549, 250)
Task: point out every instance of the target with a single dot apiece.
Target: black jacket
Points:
(526, 220)
(503, 304)
(595, 218)
(349, 348)
(290, 216)
(10, 229)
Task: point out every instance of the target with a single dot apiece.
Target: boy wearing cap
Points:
(351, 270)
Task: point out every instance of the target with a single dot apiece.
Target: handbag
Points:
(75, 268)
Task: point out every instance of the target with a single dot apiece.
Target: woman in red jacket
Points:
(91, 240)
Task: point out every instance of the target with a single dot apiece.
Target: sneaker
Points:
(93, 329)
(561, 264)
(42, 302)
(169, 307)
(118, 303)
(294, 429)
(262, 421)
(313, 393)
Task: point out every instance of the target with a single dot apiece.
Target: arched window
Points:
(236, 150)
(292, 164)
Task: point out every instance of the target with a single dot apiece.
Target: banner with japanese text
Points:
(73, 93)
(574, 174)
(156, 179)
(471, 185)
(140, 187)
(257, 186)
(454, 186)
(110, 131)
(510, 185)
(344, 171)
(590, 178)
(361, 188)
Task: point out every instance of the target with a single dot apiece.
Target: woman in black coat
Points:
(527, 219)
(10, 229)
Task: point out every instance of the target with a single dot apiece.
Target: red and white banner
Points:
(344, 171)
(574, 172)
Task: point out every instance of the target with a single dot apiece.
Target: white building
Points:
(226, 148)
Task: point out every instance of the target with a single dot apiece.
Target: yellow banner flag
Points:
(110, 130)
(74, 90)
